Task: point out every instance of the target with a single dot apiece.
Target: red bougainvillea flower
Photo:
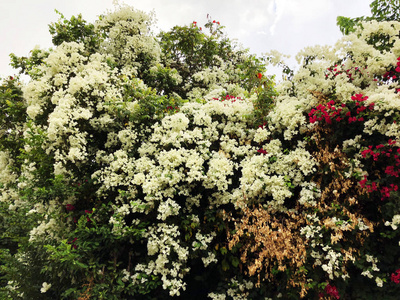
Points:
(332, 291)
(396, 277)
(73, 243)
(359, 98)
(69, 207)
(259, 75)
(262, 151)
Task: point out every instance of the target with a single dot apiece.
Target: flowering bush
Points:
(112, 189)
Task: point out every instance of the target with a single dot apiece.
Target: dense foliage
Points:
(142, 167)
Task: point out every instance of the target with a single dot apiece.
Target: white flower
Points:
(379, 282)
(45, 287)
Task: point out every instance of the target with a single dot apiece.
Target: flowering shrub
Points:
(112, 189)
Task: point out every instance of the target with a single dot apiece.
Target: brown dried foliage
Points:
(270, 241)
(338, 189)
(87, 294)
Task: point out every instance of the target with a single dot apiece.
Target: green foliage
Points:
(75, 30)
(381, 10)
(29, 65)
(13, 117)
(189, 50)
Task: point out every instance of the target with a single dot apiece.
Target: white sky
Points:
(261, 25)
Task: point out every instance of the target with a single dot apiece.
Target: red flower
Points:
(259, 75)
(396, 277)
(262, 151)
(73, 243)
(69, 207)
(332, 291)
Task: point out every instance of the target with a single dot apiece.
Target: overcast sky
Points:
(261, 25)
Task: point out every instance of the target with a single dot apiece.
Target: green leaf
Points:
(235, 262)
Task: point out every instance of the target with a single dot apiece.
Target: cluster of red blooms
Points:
(214, 22)
(392, 74)
(331, 291)
(396, 276)
(228, 97)
(69, 207)
(335, 71)
(382, 151)
(330, 112)
(172, 109)
(195, 24)
(73, 243)
(262, 151)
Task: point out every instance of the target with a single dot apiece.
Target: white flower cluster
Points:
(373, 268)
(274, 173)
(129, 37)
(288, 116)
(309, 194)
(394, 223)
(45, 287)
(216, 81)
(237, 291)
(332, 264)
(312, 231)
(162, 241)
